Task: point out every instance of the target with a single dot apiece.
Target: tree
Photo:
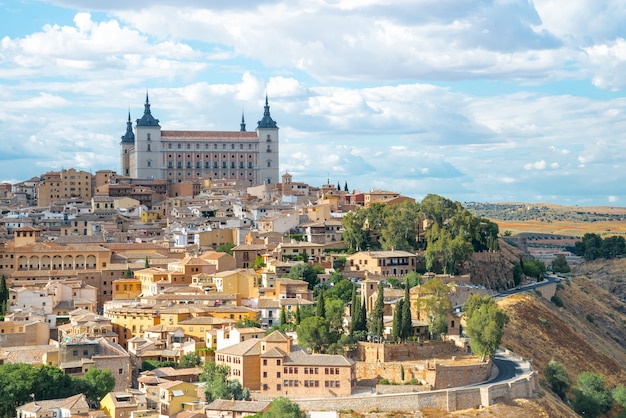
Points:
(436, 305)
(258, 262)
(313, 333)
(218, 386)
(534, 268)
(305, 272)
(560, 265)
(98, 382)
(248, 323)
(376, 325)
(320, 309)
(189, 360)
(128, 274)
(406, 322)
(355, 234)
(342, 290)
(283, 315)
(400, 228)
(298, 316)
(283, 408)
(557, 378)
(4, 295)
(591, 397)
(147, 263)
(226, 247)
(485, 326)
(345, 187)
(619, 395)
(396, 327)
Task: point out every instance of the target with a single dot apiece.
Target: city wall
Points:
(446, 400)
(375, 352)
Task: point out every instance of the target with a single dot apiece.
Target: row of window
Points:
(207, 145)
(179, 164)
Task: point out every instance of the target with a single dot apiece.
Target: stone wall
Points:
(446, 400)
(451, 376)
(375, 352)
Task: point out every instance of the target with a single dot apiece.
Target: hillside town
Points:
(203, 270)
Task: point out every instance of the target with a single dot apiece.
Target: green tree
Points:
(355, 234)
(557, 378)
(248, 323)
(146, 264)
(400, 228)
(560, 264)
(375, 321)
(283, 408)
(258, 262)
(534, 268)
(485, 326)
(98, 382)
(298, 315)
(128, 274)
(619, 395)
(436, 305)
(345, 187)
(412, 279)
(320, 308)
(314, 333)
(283, 315)
(591, 397)
(406, 322)
(342, 290)
(396, 327)
(189, 360)
(305, 272)
(4, 295)
(226, 247)
(217, 385)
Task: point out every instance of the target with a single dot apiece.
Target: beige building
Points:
(64, 184)
(55, 408)
(244, 362)
(26, 333)
(382, 263)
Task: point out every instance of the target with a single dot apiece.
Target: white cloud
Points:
(537, 165)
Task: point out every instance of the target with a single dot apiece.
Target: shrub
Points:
(589, 318)
(544, 321)
(557, 301)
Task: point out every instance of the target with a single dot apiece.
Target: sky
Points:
(476, 101)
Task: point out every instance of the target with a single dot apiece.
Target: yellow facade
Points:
(131, 322)
(126, 289)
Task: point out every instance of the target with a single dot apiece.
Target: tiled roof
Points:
(238, 406)
(301, 358)
(250, 347)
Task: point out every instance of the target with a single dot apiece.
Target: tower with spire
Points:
(250, 158)
(267, 131)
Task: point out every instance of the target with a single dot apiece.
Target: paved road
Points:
(507, 368)
(547, 279)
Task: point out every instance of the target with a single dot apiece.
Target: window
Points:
(120, 371)
(269, 163)
(169, 146)
(188, 146)
(148, 136)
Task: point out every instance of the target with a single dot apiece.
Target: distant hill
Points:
(548, 218)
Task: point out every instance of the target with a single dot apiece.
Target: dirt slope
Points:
(587, 334)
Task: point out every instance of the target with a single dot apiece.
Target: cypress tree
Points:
(147, 263)
(406, 326)
(396, 328)
(283, 316)
(362, 323)
(320, 309)
(376, 320)
(355, 313)
(4, 292)
(345, 187)
(128, 274)
(298, 318)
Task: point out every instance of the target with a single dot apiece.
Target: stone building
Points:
(250, 158)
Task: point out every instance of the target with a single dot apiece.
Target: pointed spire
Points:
(129, 136)
(243, 123)
(267, 121)
(147, 119)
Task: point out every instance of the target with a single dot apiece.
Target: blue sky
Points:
(502, 100)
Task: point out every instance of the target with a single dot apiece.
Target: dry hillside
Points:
(587, 334)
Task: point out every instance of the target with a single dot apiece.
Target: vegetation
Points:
(4, 295)
(248, 323)
(305, 272)
(189, 360)
(314, 333)
(435, 303)
(485, 324)
(22, 383)
(557, 378)
(218, 386)
(560, 264)
(375, 324)
(155, 364)
(591, 397)
(533, 268)
(453, 235)
(282, 407)
(226, 247)
(593, 246)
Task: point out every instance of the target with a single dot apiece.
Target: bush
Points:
(589, 318)
(557, 301)
(557, 378)
(544, 321)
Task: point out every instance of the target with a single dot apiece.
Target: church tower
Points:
(267, 132)
(147, 157)
(128, 142)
